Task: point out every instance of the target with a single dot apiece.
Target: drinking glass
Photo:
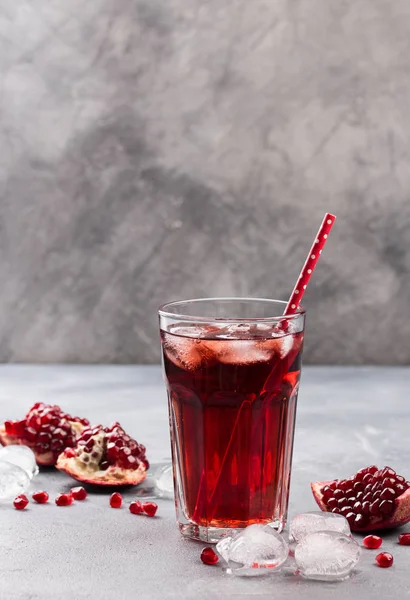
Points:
(232, 368)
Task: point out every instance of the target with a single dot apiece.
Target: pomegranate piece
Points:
(78, 493)
(105, 456)
(372, 542)
(20, 502)
(46, 429)
(209, 556)
(64, 500)
(136, 508)
(373, 499)
(404, 539)
(384, 560)
(150, 508)
(40, 497)
(115, 500)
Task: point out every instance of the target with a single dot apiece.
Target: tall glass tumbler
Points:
(232, 370)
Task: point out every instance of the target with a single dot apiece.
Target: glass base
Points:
(212, 535)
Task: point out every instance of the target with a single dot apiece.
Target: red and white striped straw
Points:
(310, 264)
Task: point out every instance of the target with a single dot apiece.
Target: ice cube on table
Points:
(13, 480)
(164, 482)
(327, 556)
(310, 522)
(257, 550)
(22, 456)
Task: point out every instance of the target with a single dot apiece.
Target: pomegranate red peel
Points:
(46, 429)
(372, 500)
(105, 456)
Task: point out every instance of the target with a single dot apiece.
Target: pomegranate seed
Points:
(333, 485)
(360, 521)
(375, 508)
(366, 508)
(336, 511)
(384, 560)
(327, 492)
(209, 556)
(372, 542)
(400, 479)
(350, 518)
(372, 470)
(360, 474)
(368, 478)
(358, 487)
(388, 472)
(404, 539)
(20, 502)
(388, 494)
(64, 500)
(386, 507)
(338, 494)
(345, 510)
(343, 485)
(70, 453)
(150, 508)
(342, 502)
(116, 500)
(400, 489)
(332, 503)
(388, 482)
(40, 497)
(136, 507)
(78, 493)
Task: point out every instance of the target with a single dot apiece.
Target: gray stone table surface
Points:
(347, 418)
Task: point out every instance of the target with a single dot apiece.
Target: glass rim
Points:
(163, 312)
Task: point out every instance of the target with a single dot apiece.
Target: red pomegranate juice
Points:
(232, 400)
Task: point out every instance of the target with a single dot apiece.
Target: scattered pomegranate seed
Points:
(116, 500)
(209, 556)
(40, 497)
(78, 493)
(384, 560)
(20, 502)
(150, 508)
(404, 539)
(64, 500)
(136, 507)
(372, 542)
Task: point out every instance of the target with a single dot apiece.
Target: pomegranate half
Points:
(105, 456)
(46, 429)
(371, 500)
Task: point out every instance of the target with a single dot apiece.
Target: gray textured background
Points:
(158, 149)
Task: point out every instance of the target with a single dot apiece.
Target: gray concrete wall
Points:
(158, 149)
